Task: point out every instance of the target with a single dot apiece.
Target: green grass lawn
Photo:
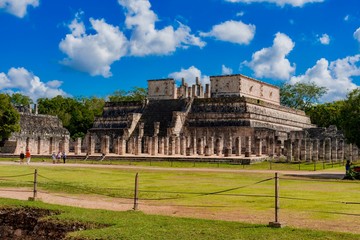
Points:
(265, 165)
(136, 225)
(210, 192)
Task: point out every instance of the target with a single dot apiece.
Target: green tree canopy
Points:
(324, 115)
(350, 113)
(77, 115)
(18, 99)
(136, 94)
(301, 95)
(9, 117)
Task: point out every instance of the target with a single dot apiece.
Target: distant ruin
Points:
(41, 134)
(233, 116)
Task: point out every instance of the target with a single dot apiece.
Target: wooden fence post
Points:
(276, 223)
(136, 193)
(34, 197)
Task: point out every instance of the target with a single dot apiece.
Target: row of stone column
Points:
(186, 146)
(320, 149)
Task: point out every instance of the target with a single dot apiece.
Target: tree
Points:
(136, 94)
(301, 95)
(351, 114)
(324, 115)
(18, 99)
(9, 118)
(77, 115)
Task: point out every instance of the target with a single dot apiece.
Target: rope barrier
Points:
(207, 194)
(77, 187)
(14, 176)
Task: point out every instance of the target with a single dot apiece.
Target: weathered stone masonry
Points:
(233, 116)
(41, 134)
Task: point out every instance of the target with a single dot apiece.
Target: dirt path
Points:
(301, 219)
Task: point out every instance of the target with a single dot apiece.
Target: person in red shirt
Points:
(28, 156)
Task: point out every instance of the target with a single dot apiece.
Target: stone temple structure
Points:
(41, 134)
(233, 116)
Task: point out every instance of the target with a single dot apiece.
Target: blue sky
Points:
(92, 47)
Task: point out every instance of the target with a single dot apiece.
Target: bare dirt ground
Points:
(299, 220)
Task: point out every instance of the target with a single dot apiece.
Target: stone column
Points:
(334, 149)
(228, 148)
(172, 146)
(122, 146)
(154, 146)
(289, 150)
(296, 149)
(177, 145)
(141, 130)
(66, 146)
(150, 147)
(315, 154)
(161, 146)
(309, 149)
(138, 145)
(105, 144)
(238, 146)
(200, 146)
(341, 150)
(271, 147)
(77, 146)
(166, 146)
(183, 145)
(209, 148)
(219, 146)
(248, 146)
(258, 147)
(327, 149)
(131, 145)
(91, 145)
(303, 154)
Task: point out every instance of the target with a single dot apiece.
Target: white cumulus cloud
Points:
(22, 81)
(18, 7)
(281, 3)
(336, 76)
(232, 31)
(272, 62)
(93, 53)
(357, 34)
(190, 75)
(226, 70)
(146, 39)
(324, 39)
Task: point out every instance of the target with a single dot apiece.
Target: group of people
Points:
(57, 157)
(27, 155)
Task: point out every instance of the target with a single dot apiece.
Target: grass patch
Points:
(136, 225)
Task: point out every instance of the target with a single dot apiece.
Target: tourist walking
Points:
(53, 157)
(22, 156)
(64, 157)
(28, 156)
(347, 166)
(58, 157)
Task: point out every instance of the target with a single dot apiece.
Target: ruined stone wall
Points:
(225, 86)
(162, 89)
(240, 85)
(41, 134)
